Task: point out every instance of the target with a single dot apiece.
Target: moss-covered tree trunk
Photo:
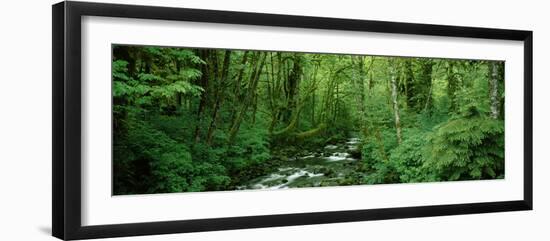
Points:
(220, 96)
(254, 79)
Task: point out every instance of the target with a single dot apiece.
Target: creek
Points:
(328, 166)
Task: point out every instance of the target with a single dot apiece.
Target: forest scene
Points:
(198, 119)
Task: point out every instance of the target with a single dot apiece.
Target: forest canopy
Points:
(196, 119)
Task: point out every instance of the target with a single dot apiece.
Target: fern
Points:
(466, 148)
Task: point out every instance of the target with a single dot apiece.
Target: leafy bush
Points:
(245, 156)
(148, 161)
(377, 145)
(466, 148)
(376, 154)
(407, 158)
(469, 147)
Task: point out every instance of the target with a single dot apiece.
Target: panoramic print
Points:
(198, 119)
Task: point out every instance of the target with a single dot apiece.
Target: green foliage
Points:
(148, 161)
(250, 148)
(171, 90)
(470, 147)
(376, 153)
(205, 119)
(466, 148)
(376, 146)
(186, 55)
(123, 85)
(407, 158)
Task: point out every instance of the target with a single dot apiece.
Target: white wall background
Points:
(25, 119)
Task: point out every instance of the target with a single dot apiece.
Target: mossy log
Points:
(310, 133)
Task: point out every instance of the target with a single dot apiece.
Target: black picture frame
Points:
(66, 128)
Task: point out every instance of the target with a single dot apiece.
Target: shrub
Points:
(465, 148)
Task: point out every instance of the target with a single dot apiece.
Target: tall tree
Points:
(220, 95)
(292, 85)
(424, 85)
(204, 83)
(393, 82)
(257, 68)
(359, 86)
(408, 84)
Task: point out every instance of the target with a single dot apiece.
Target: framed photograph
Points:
(169, 120)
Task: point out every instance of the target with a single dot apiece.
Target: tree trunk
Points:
(219, 96)
(293, 87)
(203, 101)
(237, 85)
(125, 53)
(313, 96)
(359, 86)
(335, 105)
(393, 81)
(254, 78)
(493, 88)
(425, 86)
(452, 86)
(295, 118)
(409, 86)
(310, 133)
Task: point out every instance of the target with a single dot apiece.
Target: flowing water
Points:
(324, 167)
